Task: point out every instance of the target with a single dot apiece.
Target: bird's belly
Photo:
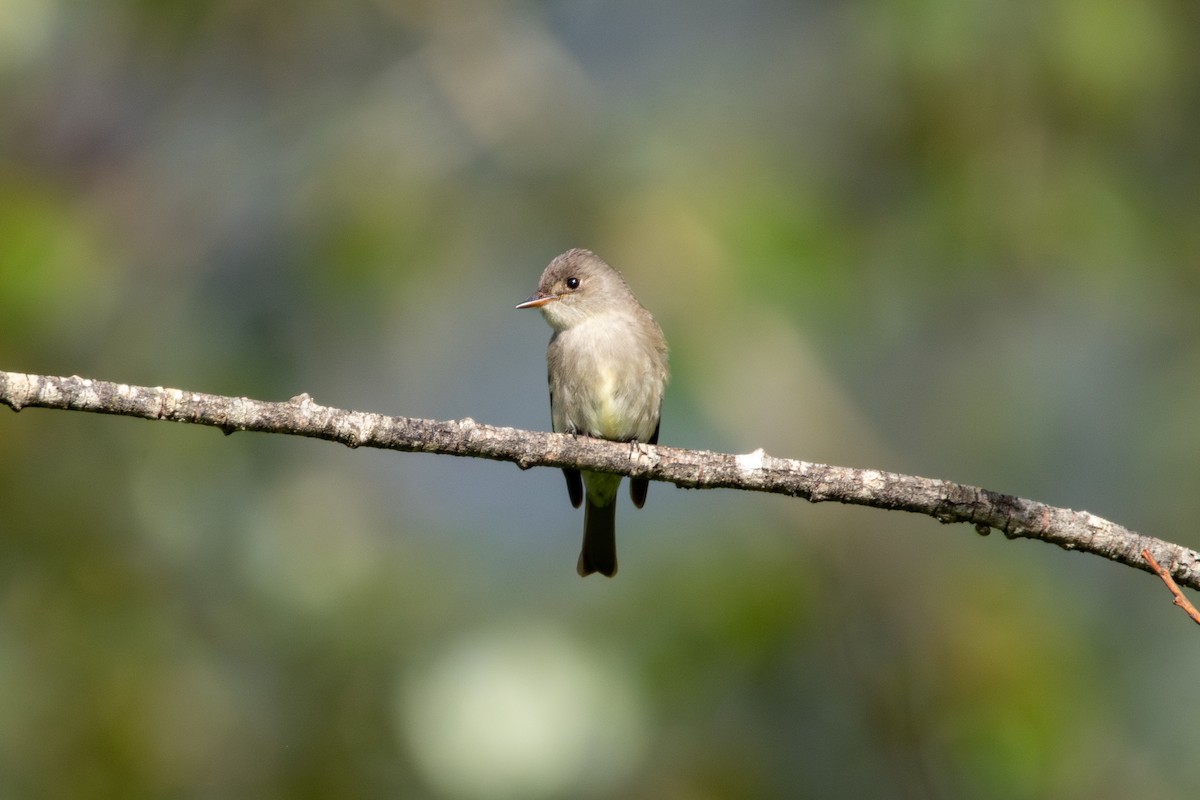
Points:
(611, 400)
(610, 415)
(606, 381)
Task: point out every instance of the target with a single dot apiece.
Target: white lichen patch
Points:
(751, 462)
(873, 480)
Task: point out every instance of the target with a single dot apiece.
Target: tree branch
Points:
(690, 469)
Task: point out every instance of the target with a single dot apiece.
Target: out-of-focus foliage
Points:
(950, 238)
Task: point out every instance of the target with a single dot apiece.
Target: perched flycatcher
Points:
(607, 365)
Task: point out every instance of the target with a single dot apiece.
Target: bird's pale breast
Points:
(612, 385)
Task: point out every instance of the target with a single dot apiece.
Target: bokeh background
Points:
(956, 239)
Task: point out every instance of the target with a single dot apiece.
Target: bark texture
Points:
(943, 500)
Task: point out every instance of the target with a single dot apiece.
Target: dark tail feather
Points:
(574, 486)
(599, 552)
(639, 486)
(637, 491)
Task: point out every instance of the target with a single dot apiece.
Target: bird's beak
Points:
(537, 300)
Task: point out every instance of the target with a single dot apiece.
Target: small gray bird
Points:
(607, 367)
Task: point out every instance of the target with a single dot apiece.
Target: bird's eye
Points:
(572, 283)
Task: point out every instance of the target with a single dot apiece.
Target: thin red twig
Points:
(1180, 600)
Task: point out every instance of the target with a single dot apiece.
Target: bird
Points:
(607, 369)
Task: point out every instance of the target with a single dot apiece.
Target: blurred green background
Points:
(956, 239)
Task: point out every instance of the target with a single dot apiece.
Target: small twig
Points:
(1180, 600)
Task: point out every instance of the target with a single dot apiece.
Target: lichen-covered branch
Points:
(694, 469)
